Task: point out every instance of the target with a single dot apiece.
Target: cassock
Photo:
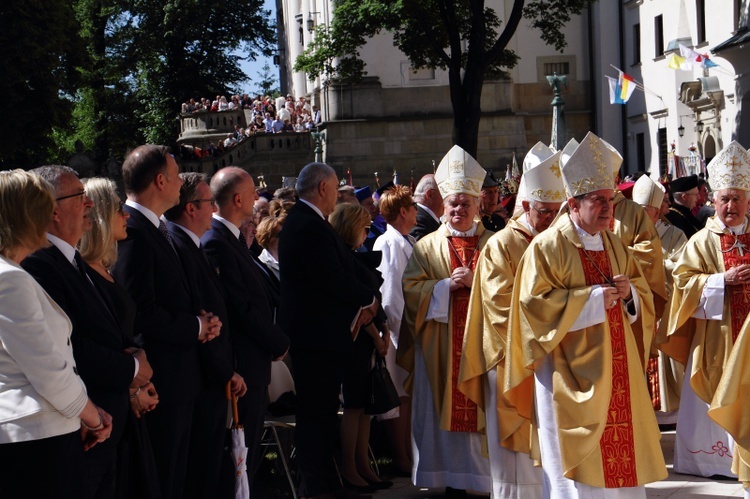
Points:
(445, 423)
(706, 320)
(683, 219)
(591, 404)
(482, 376)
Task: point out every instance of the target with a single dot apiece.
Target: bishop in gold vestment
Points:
(577, 290)
(711, 302)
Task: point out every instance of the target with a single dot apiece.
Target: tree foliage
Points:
(267, 82)
(464, 37)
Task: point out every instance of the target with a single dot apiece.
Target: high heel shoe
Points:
(362, 489)
(380, 484)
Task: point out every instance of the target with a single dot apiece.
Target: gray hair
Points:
(311, 176)
(53, 173)
(426, 184)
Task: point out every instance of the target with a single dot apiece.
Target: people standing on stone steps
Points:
(437, 282)
(171, 324)
(482, 371)
(684, 192)
(187, 222)
(709, 306)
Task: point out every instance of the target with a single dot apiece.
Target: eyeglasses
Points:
(198, 201)
(82, 193)
(543, 212)
(367, 229)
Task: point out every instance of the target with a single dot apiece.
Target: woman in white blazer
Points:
(400, 211)
(46, 418)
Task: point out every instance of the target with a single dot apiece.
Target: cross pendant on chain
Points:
(738, 245)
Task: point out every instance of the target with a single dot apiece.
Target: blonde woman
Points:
(267, 236)
(46, 417)
(352, 222)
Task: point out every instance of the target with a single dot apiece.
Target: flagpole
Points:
(643, 87)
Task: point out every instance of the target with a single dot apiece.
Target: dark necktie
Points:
(81, 267)
(243, 241)
(166, 234)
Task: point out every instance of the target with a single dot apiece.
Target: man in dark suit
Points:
(256, 337)
(99, 343)
(429, 207)
(684, 191)
(171, 324)
(322, 302)
(188, 221)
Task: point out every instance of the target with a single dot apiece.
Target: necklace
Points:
(738, 245)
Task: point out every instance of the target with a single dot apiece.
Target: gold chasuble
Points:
(606, 427)
(712, 250)
(487, 326)
(434, 258)
(631, 224)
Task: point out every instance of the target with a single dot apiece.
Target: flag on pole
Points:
(627, 86)
(708, 63)
(614, 91)
(677, 62)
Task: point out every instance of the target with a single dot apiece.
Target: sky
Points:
(252, 68)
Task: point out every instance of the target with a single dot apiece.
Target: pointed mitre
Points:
(568, 151)
(544, 181)
(730, 169)
(536, 155)
(646, 192)
(615, 156)
(459, 173)
(589, 168)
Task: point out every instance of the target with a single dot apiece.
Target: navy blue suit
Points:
(152, 273)
(98, 347)
(320, 297)
(256, 337)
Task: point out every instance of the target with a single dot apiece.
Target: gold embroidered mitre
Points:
(568, 151)
(646, 192)
(730, 169)
(459, 173)
(544, 181)
(589, 168)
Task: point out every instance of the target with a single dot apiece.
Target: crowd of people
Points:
(534, 354)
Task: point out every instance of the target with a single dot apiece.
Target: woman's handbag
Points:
(383, 396)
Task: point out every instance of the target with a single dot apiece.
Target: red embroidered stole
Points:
(617, 444)
(464, 414)
(739, 296)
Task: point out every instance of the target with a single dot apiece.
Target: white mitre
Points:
(459, 173)
(544, 181)
(646, 192)
(730, 169)
(589, 168)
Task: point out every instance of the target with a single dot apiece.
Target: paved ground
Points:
(676, 486)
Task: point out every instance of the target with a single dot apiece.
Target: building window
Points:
(661, 141)
(700, 17)
(640, 151)
(560, 68)
(637, 43)
(659, 36)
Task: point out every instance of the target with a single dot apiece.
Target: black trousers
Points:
(50, 467)
(169, 429)
(317, 380)
(207, 439)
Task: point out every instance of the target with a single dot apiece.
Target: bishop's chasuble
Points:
(596, 399)
(487, 327)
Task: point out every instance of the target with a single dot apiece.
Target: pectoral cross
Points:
(738, 245)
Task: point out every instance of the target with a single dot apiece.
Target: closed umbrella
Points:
(238, 451)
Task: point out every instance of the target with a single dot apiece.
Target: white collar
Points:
(737, 229)
(315, 208)
(153, 218)
(527, 224)
(232, 228)
(190, 233)
(456, 233)
(68, 251)
(590, 242)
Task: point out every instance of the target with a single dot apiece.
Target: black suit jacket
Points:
(151, 271)
(684, 220)
(98, 339)
(256, 338)
(320, 291)
(425, 224)
(207, 293)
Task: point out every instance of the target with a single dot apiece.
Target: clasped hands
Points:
(210, 326)
(143, 396)
(619, 290)
(737, 276)
(462, 277)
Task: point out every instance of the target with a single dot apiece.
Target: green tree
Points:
(464, 37)
(267, 84)
(41, 50)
